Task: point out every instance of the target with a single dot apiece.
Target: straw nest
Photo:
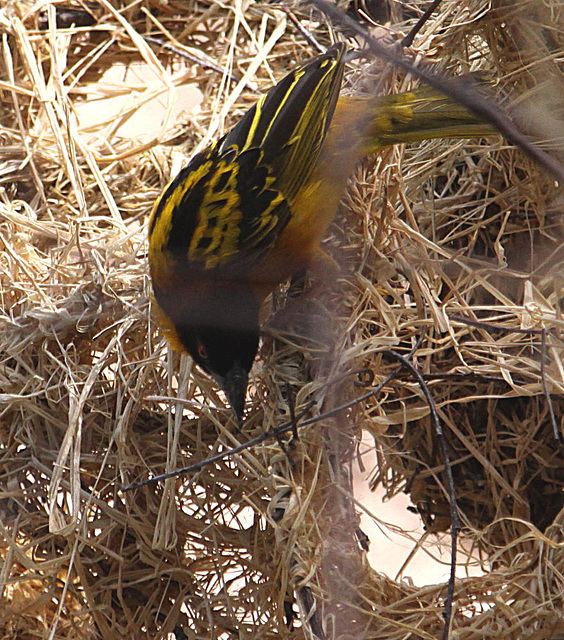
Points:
(429, 237)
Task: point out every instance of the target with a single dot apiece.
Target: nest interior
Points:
(453, 247)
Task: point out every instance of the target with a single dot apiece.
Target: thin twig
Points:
(206, 64)
(473, 101)
(198, 466)
(455, 521)
(305, 33)
(408, 40)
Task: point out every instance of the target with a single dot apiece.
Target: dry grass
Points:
(91, 399)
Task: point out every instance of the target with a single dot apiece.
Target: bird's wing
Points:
(229, 205)
(289, 122)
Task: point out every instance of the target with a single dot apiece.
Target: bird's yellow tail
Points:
(414, 116)
(421, 115)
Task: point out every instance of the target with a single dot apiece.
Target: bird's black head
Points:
(225, 354)
(219, 328)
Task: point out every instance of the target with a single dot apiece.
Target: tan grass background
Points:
(91, 399)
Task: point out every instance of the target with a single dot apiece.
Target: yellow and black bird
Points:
(252, 209)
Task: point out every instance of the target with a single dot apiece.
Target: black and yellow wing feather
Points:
(225, 210)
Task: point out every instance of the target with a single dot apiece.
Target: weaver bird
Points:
(252, 209)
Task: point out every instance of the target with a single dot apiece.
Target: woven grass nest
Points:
(452, 247)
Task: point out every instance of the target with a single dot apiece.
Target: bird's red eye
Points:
(202, 352)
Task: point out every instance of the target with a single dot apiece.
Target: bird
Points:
(251, 210)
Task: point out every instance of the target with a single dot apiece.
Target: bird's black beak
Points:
(234, 383)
